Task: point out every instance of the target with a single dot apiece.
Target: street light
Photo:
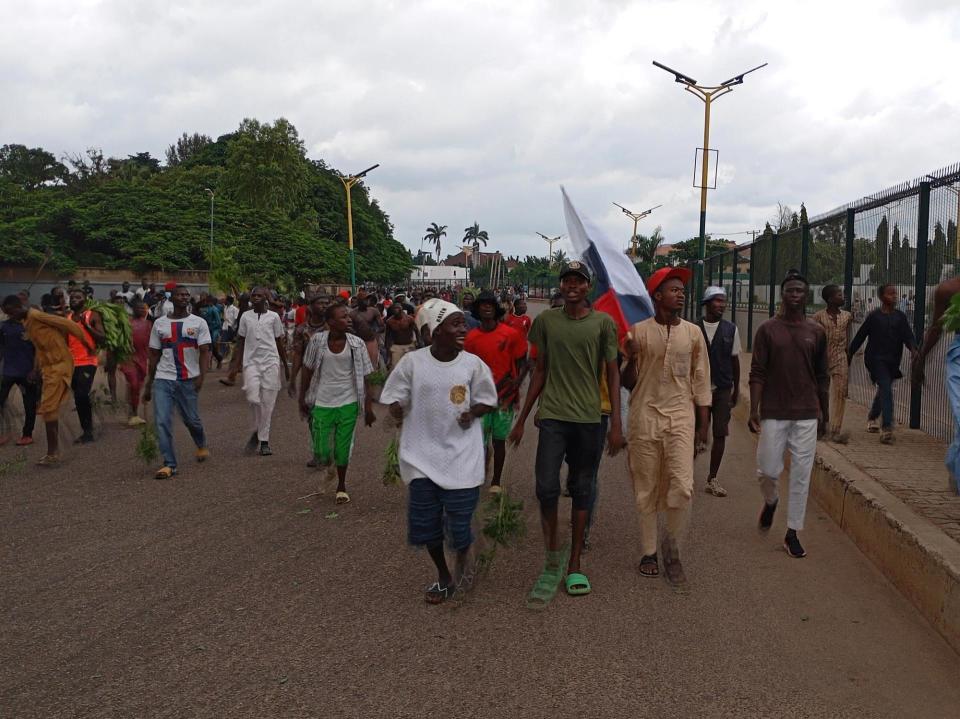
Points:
(348, 182)
(212, 195)
(550, 241)
(636, 217)
(707, 93)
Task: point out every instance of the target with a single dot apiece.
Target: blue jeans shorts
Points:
(434, 512)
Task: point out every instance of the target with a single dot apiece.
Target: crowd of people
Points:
(462, 373)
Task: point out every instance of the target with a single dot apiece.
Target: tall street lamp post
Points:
(212, 195)
(550, 241)
(707, 93)
(348, 182)
(636, 217)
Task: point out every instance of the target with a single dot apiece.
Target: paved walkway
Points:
(912, 468)
(221, 594)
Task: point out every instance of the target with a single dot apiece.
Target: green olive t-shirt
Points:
(577, 350)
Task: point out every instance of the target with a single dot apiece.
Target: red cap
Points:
(668, 273)
(345, 294)
(170, 286)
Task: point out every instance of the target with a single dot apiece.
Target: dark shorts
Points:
(720, 412)
(434, 513)
(581, 445)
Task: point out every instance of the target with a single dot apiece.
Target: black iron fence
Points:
(905, 235)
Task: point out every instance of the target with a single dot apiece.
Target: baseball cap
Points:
(668, 273)
(433, 312)
(712, 292)
(576, 267)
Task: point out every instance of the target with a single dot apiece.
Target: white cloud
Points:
(480, 110)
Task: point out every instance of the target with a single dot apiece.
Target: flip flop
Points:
(577, 584)
(343, 498)
(649, 560)
(165, 473)
(48, 460)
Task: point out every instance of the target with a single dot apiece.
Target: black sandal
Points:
(649, 560)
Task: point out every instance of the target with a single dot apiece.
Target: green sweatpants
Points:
(338, 424)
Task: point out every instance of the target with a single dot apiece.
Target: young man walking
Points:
(836, 322)
(179, 357)
(333, 387)
(668, 371)
(572, 342)
(439, 392)
(942, 297)
(85, 361)
(401, 336)
(789, 404)
(504, 351)
(367, 324)
(888, 332)
(723, 344)
(135, 368)
(260, 347)
(17, 353)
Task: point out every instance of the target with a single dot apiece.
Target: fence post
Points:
(848, 259)
(773, 274)
(920, 292)
(750, 291)
(805, 249)
(733, 286)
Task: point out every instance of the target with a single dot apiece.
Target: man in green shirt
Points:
(573, 343)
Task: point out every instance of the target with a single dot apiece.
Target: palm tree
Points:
(647, 246)
(474, 236)
(558, 259)
(434, 233)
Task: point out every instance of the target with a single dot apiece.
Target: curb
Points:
(915, 555)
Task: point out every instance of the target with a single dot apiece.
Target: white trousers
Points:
(800, 438)
(261, 392)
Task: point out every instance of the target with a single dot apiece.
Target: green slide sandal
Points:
(577, 584)
(545, 588)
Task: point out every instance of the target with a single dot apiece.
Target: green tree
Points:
(267, 166)
(186, 148)
(647, 246)
(434, 233)
(558, 259)
(474, 236)
(881, 267)
(936, 254)
(30, 167)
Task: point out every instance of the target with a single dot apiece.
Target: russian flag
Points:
(620, 291)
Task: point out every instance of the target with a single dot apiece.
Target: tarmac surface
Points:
(222, 594)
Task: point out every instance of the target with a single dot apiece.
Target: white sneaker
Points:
(136, 421)
(714, 488)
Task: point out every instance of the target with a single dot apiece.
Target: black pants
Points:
(30, 392)
(581, 445)
(81, 385)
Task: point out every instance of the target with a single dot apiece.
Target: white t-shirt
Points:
(141, 291)
(336, 387)
(260, 334)
(231, 313)
(434, 394)
(711, 329)
(163, 308)
(179, 341)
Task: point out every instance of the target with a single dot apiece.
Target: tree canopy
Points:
(278, 217)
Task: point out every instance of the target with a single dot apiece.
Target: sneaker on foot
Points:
(792, 544)
(24, 441)
(714, 488)
(136, 421)
(886, 436)
(766, 516)
(265, 450)
(873, 426)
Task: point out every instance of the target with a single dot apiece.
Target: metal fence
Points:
(905, 235)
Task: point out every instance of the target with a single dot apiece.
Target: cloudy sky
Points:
(480, 110)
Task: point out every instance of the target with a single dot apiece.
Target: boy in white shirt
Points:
(260, 347)
(442, 390)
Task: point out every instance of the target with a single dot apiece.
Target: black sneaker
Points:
(766, 516)
(792, 544)
(265, 450)
(252, 443)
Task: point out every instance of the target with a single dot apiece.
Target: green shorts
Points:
(336, 423)
(497, 424)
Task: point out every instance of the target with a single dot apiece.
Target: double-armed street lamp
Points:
(212, 195)
(550, 241)
(707, 93)
(348, 182)
(636, 217)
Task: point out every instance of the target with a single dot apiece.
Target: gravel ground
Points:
(222, 594)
